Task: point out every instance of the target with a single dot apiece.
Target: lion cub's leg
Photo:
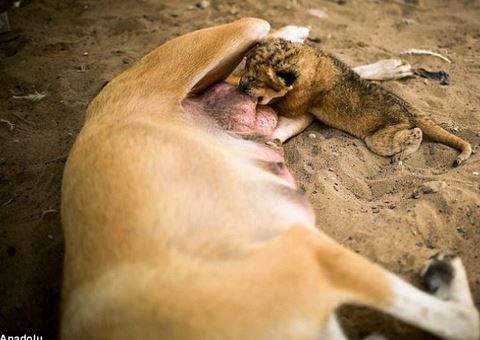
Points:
(398, 141)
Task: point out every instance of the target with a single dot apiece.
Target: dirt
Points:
(68, 50)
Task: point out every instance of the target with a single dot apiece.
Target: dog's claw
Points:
(275, 143)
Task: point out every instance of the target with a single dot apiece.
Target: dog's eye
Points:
(288, 77)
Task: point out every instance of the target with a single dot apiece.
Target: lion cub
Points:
(295, 79)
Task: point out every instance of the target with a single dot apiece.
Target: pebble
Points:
(475, 173)
(312, 135)
(204, 4)
(408, 21)
(315, 39)
(85, 53)
(319, 13)
(429, 188)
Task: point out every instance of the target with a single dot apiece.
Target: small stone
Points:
(429, 188)
(319, 13)
(4, 23)
(315, 39)
(85, 54)
(204, 4)
(50, 236)
(408, 21)
(475, 173)
(11, 251)
(312, 135)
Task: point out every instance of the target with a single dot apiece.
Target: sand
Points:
(69, 49)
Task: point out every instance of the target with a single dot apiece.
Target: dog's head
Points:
(270, 70)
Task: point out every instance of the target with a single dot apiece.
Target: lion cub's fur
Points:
(298, 79)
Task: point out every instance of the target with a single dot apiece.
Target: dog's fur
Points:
(173, 232)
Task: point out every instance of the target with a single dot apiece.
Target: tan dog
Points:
(177, 228)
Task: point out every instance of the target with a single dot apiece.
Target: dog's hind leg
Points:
(333, 330)
(355, 280)
(456, 318)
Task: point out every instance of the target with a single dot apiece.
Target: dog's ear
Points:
(288, 77)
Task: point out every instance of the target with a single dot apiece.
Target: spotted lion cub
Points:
(297, 80)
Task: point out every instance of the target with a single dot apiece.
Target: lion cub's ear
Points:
(288, 77)
(281, 79)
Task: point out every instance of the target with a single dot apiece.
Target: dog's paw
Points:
(438, 275)
(292, 33)
(274, 143)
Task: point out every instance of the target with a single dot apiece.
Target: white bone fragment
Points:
(419, 51)
(292, 33)
(384, 70)
(34, 97)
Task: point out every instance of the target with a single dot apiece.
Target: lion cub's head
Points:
(270, 70)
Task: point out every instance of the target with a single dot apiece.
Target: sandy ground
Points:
(69, 49)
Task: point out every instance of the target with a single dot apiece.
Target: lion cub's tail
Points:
(437, 134)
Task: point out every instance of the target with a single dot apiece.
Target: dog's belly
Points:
(237, 112)
(269, 193)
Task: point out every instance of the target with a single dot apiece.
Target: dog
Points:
(181, 224)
